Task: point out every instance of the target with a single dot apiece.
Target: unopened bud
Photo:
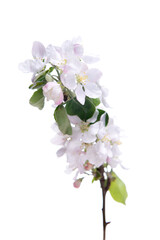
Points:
(77, 183)
(88, 166)
(48, 78)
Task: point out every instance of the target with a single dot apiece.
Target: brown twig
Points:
(105, 184)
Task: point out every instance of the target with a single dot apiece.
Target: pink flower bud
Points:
(88, 166)
(53, 91)
(77, 183)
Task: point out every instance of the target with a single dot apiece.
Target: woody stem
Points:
(105, 188)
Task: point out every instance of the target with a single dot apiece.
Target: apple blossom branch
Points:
(87, 136)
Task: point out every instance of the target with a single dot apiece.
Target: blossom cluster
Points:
(85, 133)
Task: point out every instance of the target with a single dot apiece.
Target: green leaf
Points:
(39, 81)
(96, 175)
(62, 120)
(51, 69)
(37, 85)
(101, 112)
(41, 78)
(118, 189)
(84, 112)
(37, 99)
(95, 101)
(106, 119)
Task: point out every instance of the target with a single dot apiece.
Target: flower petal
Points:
(80, 94)
(61, 152)
(94, 74)
(52, 54)
(38, 50)
(92, 90)
(53, 91)
(88, 137)
(68, 80)
(94, 128)
(105, 102)
(74, 119)
(31, 66)
(94, 117)
(59, 139)
(67, 49)
(90, 59)
(78, 50)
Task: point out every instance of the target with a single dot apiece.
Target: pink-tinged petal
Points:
(27, 66)
(77, 183)
(83, 67)
(105, 91)
(74, 63)
(88, 137)
(80, 94)
(59, 139)
(38, 50)
(52, 53)
(53, 91)
(90, 59)
(94, 128)
(74, 119)
(88, 166)
(67, 49)
(94, 74)
(67, 69)
(59, 50)
(77, 40)
(92, 90)
(69, 80)
(61, 152)
(112, 162)
(78, 50)
(31, 66)
(59, 99)
(48, 87)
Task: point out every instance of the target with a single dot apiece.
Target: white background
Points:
(37, 199)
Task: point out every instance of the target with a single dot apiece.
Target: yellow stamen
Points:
(118, 142)
(82, 78)
(84, 127)
(105, 139)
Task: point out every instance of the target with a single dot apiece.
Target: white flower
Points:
(104, 95)
(97, 154)
(76, 157)
(53, 91)
(40, 57)
(110, 133)
(33, 66)
(83, 130)
(38, 50)
(65, 56)
(83, 81)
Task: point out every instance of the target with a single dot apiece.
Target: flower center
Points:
(82, 78)
(84, 128)
(105, 139)
(63, 62)
(118, 142)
